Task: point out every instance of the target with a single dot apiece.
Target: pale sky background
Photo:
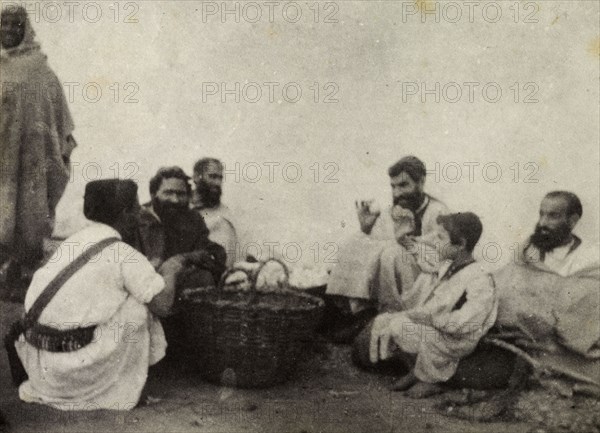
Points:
(369, 53)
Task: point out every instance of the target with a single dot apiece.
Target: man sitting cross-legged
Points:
(377, 267)
(454, 310)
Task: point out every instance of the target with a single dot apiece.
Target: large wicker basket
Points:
(250, 338)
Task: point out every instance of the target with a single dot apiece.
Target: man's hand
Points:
(381, 338)
(173, 265)
(404, 224)
(366, 215)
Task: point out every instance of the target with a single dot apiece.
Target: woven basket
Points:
(250, 338)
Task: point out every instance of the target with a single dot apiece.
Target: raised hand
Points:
(367, 215)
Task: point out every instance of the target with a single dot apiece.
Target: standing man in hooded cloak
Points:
(35, 147)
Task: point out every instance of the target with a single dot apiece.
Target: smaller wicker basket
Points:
(250, 338)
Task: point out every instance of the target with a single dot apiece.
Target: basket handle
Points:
(285, 269)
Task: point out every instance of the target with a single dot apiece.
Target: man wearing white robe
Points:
(553, 246)
(117, 291)
(378, 264)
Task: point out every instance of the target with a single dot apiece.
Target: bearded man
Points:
(377, 267)
(168, 227)
(206, 200)
(553, 245)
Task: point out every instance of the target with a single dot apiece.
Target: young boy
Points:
(450, 315)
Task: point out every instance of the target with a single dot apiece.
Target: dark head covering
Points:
(105, 199)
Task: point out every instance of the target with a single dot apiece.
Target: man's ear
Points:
(463, 244)
(196, 177)
(573, 220)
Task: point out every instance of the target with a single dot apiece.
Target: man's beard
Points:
(168, 212)
(131, 237)
(410, 201)
(209, 194)
(547, 239)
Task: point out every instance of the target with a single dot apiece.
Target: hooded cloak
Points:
(35, 146)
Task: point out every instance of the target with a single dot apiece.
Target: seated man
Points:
(76, 352)
(453, 311)
(548, 303)
(553, 246)
(206, 200)
(381, 262)
(167, 228)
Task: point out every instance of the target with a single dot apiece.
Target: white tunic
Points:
(111, 291)
(435, 331)
(358, 259)
(565, 262)
(221, 225)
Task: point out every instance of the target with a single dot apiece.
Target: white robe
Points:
(566, 262)
(368, 264)
(222, 227)
(437, 333)
(111, 291)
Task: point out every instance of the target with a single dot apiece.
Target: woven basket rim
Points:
(198, 298)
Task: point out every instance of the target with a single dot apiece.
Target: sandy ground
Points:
(328, 394)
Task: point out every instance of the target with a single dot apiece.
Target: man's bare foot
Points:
(424, 390)
(405, 382)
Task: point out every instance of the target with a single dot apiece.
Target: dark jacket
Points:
(158, 241)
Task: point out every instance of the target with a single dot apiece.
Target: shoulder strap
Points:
(32, 316)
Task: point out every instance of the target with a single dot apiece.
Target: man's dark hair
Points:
(410, 165)
(462, 225)
(105, 199)
(201, 164)
(169, 173)
(573, 203)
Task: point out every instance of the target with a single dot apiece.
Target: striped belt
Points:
(56, 340)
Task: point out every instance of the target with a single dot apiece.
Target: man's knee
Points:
(401, 262)
(390, 253)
